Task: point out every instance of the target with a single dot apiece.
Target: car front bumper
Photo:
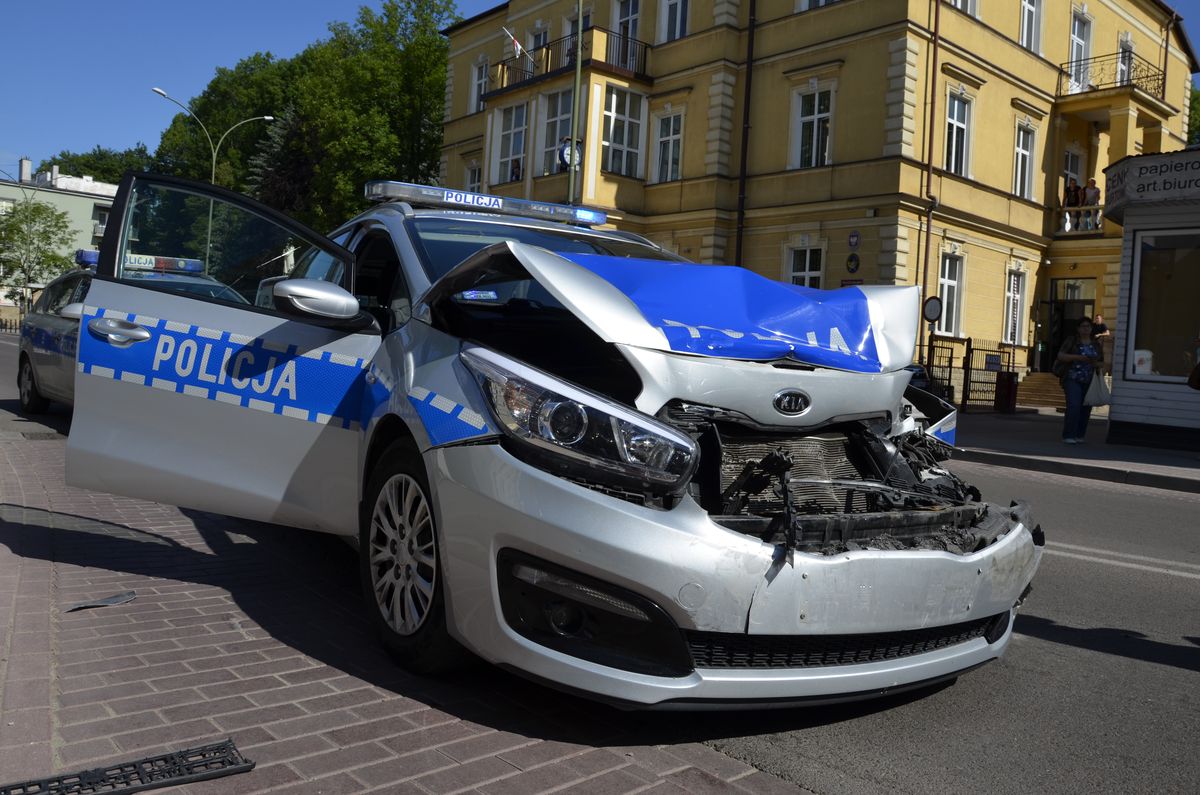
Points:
(709, 579)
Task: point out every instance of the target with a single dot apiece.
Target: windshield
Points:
(442, 243)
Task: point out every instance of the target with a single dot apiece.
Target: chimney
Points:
(26, 171)
(53, 176)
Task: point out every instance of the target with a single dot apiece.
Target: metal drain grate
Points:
(167, 770)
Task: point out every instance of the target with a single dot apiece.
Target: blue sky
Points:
(78, 73)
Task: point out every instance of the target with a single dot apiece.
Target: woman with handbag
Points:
(1079, 358)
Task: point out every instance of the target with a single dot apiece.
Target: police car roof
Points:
(430, 196)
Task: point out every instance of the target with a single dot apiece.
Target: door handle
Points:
(118, 332)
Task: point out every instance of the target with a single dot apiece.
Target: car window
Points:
(179, 241)
(442, 243)
(59, 295)
(379, 283)
(81, 290)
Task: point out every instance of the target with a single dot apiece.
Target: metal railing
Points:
(605, 46)
(1123, 68)
(1085, 220)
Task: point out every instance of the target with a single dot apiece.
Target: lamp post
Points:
(215, 148)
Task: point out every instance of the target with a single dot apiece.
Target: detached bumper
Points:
(715, 583)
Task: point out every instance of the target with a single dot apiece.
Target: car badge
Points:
(791, 402)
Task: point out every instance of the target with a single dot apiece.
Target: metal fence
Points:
(965, 372)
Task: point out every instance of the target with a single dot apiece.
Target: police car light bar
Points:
(150, 262)
(430, 196)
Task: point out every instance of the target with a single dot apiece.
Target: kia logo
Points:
(791, 402)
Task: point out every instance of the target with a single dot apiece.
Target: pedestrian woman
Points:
(1080, 356)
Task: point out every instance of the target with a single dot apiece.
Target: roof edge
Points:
(462, 23)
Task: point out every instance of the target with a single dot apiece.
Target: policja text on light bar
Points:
(431, 196)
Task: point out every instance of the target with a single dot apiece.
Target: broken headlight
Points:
(561, 427)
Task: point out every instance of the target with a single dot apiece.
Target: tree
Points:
(364, 104)
(102, 163)
(34, 239)
(1193, 133)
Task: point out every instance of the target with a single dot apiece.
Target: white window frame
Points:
(505, 155)
(1135, 297)
(667, 32)
(965, 125)
(1125, 54)
(1030, 36)
(539, 38)
(674, 141)
(950, 290)
(479, 83)
(1079, 50)
(966, 6)
(798, 120)
(808, 271)
(473, 178)
(548, 145)
(1023, 162)
(807, 5)
(1015, 281)
(632, 141)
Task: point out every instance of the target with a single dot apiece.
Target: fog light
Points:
(577, 591)
(564, 619)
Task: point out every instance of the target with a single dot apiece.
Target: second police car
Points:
(564, 449)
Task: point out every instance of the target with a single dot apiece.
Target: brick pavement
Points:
(255, 632)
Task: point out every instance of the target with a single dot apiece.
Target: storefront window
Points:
(1166, 326)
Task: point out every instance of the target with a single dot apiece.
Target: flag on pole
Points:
(517, 48)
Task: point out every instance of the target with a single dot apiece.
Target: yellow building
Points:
(835, 142)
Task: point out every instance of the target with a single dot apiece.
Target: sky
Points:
(78, 73)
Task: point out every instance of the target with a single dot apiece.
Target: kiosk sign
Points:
(1151, 178)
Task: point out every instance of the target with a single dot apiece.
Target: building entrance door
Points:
(1070, 300)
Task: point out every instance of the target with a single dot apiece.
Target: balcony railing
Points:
(1110, 71)
(1086, 220)
(599, 45)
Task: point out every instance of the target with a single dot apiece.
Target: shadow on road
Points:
(55, 419)
(302, 589)
(1110, 640)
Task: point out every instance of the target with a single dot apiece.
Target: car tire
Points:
(400, 564)
(32, 401)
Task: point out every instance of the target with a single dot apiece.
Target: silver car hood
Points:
(709, 311)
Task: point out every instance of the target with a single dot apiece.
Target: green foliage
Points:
(35, 240)
(102, 163)
(364, 104)
(1193, 132)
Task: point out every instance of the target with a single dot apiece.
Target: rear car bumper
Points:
(727, 618)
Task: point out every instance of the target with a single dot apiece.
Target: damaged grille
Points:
(815, 459)
(726, 650)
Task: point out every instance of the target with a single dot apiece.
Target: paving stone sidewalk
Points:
(255, 632)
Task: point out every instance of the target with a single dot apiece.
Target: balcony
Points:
(97, 229)
(1119, 70)
(616, 53)
(1079, 221)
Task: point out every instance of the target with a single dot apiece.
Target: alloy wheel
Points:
(403, 554)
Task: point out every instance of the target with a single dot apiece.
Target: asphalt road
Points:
(1099, 691)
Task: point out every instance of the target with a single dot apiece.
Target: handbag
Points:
(1097, 394)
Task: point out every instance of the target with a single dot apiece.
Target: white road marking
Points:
(1111, 554)
(14, 344)
(1191, 575)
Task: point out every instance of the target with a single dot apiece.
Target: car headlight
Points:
(560, 426)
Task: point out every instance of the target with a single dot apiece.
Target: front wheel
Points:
(32, 401)
(400, 565)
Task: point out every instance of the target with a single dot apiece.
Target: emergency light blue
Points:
(731, 312)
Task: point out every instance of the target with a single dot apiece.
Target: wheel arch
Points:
(388, 431)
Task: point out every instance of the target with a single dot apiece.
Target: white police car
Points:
(644, 480)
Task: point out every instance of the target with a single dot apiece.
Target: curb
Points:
(1132, 477)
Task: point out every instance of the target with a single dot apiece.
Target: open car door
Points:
(188, 393)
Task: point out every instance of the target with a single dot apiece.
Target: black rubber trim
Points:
(165, 770)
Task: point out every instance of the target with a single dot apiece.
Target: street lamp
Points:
(215, 148)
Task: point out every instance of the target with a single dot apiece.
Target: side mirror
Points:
(313, 299)
(72, 311)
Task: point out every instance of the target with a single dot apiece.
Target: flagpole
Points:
(576, 154)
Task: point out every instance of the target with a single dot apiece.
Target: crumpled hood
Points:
(716, 310)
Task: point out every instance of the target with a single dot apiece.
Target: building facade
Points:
(838, 142)
(85, 201)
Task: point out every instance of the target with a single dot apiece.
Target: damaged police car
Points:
(644, 480)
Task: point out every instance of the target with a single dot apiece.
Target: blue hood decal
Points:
(730, 312)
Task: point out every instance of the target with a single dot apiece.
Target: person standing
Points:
(1091, 199)
(1072, 200)
(1080, 356)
